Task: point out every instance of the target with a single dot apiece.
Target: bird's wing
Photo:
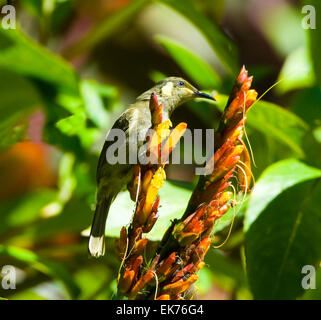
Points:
(121, 123)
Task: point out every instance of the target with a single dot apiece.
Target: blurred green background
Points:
(71, 67)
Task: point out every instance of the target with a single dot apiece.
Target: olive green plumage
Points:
(171, 92)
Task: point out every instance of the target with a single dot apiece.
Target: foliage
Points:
(62, 87)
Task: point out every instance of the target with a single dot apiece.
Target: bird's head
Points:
(174, 91)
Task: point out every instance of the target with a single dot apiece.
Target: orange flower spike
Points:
(234, 133)
(251, 97)
(179, 286)
(246, 85)
(150, 222)
(201, 265)
(156, 109)
(159, 135)
(147, 179)
(226, 162)
(201, 212)
(135, 263)
(172, 141)
(214, 205)
(218, 154)
(201, 250)
(184, 239)
(126, 281)
(190, 268)
(195, 226)
(234, 156)
(123, 242)
(152, 190)
(245, 174)
(140, 246)
(132, 187)
(222, 210)
(242, 76)
(154, 262)
(135, 236)
(164, 297)
(167, 264)
(225, 197)
(139, 215)
(154, 147)
(141, 283)
(210, 220)
(232, 108)
(180, 226)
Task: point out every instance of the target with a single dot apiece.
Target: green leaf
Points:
(76, 125)
(282, 227)
(224, 48)
(25, 209)
(273, 181)
(94, 105)
(21, 54)
(297, 72)
(275, 122)
(45, 266)
(197, 69)
(173, 202)
(74, 218)
(15, 107)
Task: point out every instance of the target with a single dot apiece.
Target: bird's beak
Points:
(203, 95)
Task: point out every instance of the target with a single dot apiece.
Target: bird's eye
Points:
(181, 83)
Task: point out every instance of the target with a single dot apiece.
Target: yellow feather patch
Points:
(168, 89)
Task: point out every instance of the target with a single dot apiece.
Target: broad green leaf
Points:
(273, 181)
(297, 72)
(15, 107)
(21, 54)
(278, 123)
(282, 227)
(48, 267)
(275, 122)
(173, 202)
(197, 69)
(307, 105)
(220, 43)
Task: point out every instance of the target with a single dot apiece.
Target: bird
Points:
(171, 92)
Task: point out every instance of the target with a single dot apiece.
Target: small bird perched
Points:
(171, 92)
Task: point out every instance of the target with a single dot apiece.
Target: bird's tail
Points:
(97, 233)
